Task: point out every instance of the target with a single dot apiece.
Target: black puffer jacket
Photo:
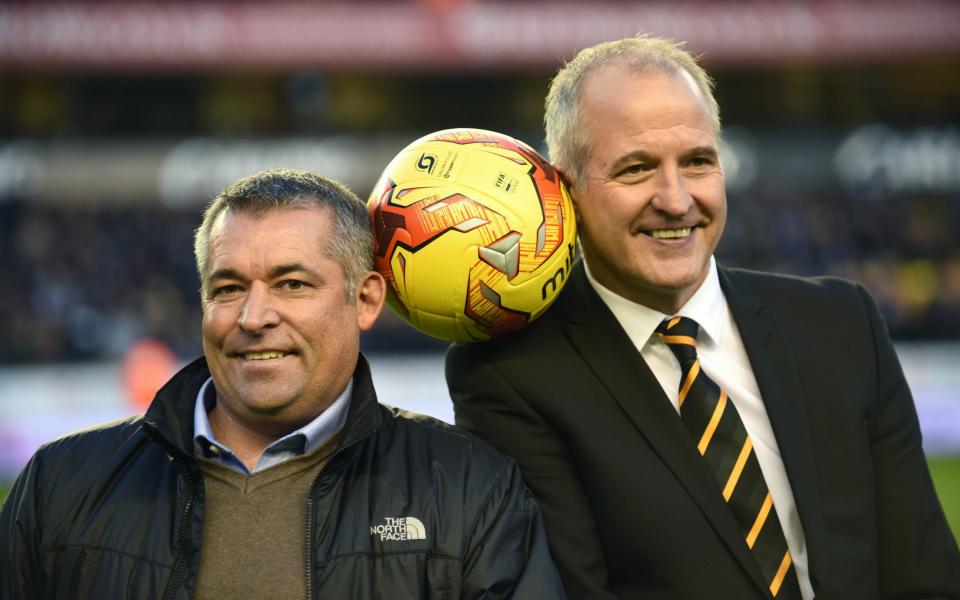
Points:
(117, 511)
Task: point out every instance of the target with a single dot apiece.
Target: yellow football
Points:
(474, 232)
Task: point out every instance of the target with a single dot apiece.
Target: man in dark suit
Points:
(692, 431)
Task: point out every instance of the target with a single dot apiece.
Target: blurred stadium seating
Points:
(119, 121)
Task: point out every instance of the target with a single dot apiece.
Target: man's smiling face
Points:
(652, 205)
(279, 335)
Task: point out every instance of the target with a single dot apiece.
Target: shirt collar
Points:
(707, 307)
(300, 441)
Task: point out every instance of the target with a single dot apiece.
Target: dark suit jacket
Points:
(630, 507)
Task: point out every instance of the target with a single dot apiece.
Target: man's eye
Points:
(701, 161)
(293, 285)
(635, 169)
(225, 290)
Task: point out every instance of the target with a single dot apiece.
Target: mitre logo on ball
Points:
(474, 232)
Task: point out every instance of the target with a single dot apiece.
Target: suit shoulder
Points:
(797, 288)
(794, 282)
(809, 304)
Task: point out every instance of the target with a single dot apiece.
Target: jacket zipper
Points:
(308, 554)
(182, 541)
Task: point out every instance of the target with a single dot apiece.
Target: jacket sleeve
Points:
(487, 405)
(506, 553)
(918, 555)
(19, 537)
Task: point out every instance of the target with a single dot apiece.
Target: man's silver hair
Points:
(351, 244)
(642, 53)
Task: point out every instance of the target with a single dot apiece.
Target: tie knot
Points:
(680, 334)
(679, 326)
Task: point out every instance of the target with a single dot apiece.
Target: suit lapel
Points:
(775, 369)
(607, 350)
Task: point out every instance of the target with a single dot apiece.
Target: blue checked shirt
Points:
(294, 444)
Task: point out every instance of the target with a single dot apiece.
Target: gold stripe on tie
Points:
(712, 425)
(781, 574)
(679, 339)
(673, 322)
(761, 519)
(691, 377)
(737, 469)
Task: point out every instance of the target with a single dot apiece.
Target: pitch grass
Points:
(946, 478)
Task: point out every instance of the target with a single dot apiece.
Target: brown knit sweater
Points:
(254, 529)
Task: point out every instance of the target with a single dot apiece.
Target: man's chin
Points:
(267, 397)
(676, 272)
(669, 280)
(267, 405)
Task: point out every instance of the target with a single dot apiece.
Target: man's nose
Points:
(258, 311)
(671, 195)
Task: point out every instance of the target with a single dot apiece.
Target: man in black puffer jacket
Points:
(267, 469)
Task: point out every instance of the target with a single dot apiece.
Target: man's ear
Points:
(571, 189)
(371, 292)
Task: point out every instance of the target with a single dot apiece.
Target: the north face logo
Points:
(399, 528)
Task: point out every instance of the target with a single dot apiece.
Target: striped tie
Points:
(721, 439)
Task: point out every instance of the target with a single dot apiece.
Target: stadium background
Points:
(119, 121)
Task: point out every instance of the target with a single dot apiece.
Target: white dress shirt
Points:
(724, 359)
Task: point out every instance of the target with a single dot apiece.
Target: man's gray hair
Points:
(351, 244)
(641, 53)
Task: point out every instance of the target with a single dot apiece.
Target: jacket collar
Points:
(170, 416)
(365, 415)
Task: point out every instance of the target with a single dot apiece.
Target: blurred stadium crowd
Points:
(85, 282)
